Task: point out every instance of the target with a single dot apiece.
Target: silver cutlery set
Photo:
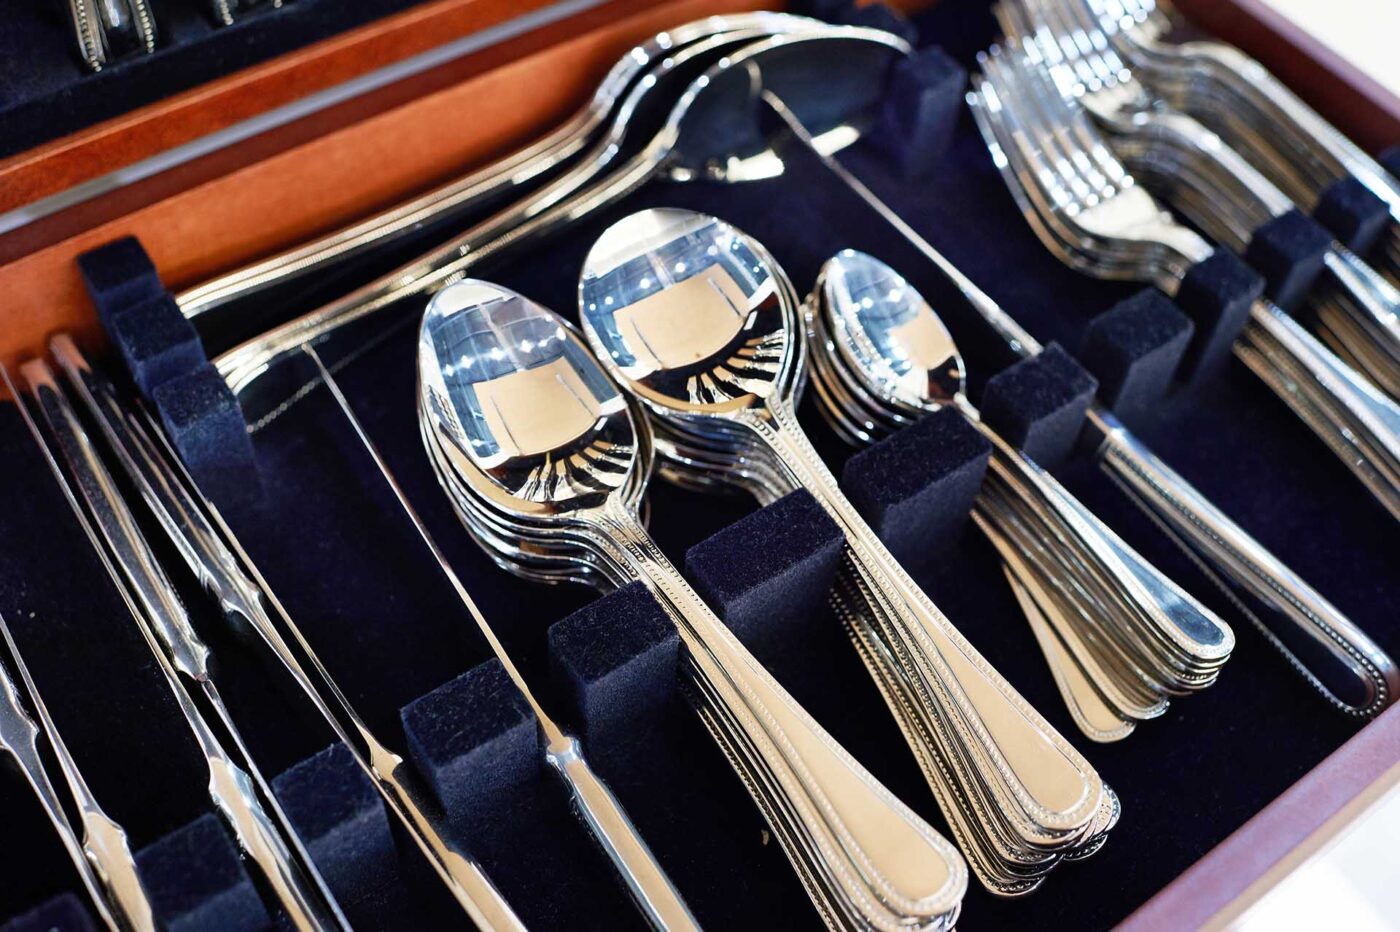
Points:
(690, 356)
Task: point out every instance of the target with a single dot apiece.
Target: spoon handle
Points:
(888, 864)
(1090, 557)
(1018, 750)
(1334, 655)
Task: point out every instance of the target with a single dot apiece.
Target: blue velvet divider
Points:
(1288, 251)
(1352, 213)
(349, 567)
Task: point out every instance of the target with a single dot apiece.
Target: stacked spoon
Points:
(1120, 637)
(698, 323)
(545, 463)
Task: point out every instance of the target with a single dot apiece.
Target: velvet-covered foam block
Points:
(197, 882)
(1038, 404)
(1354, 215)
(1390, 161)
(769, 572)
(119, 275)
(1134, 349)
(63, 913)
(877, 16)
(1288, 251)
(473, 737)
(157, 342)
(341, 819)
(1216, 294)
(615, 662)
(916, 486)
(204, 422)
(921, 110)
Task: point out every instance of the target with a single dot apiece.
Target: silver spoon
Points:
(534, 430)
(600, 811)
(883, 359)
(689, 316)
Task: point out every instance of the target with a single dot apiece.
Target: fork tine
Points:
(1041, 105)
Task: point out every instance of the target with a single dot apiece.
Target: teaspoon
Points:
(883, 358)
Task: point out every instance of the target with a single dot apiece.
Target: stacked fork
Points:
(1087, 208)
(1357, 309)
(1237, 97)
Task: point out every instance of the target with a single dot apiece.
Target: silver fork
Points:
(1359, 311)
(1238, 97)
(1089, 212)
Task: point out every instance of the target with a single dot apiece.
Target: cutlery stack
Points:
(545, 464)
(1119, 636)
(704, 329)
(1130, 156)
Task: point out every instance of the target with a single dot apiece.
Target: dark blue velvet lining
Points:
(330, 538)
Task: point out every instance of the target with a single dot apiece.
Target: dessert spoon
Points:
(882, 359)
(530, 434)
(698, 325)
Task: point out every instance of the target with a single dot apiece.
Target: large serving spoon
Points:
(691, 318)
(884, 359)
(464, 197)
(692, 125)
(534, 431)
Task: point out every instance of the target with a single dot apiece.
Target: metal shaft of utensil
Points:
(102, 856)
(460, 197)
(216, 556)
(601, 812)
(1289, 612)
(235, 785)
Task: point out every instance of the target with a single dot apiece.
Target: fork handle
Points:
(1356, 421)
(1334, 655)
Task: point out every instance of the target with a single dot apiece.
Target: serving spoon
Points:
(533, 432)
(690, 316)
(604, 113)
(883, 358)
(694, 126)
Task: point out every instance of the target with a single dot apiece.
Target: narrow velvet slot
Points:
(197, 882)
(1288, 251)
(341, 820)
(63, 913)
(1134, 349)
(1216, 294)
(766, 574)
(203, 420)
(1038, 404)
(921, 111)
(915, 487)
(474, 739)
(119, 275)
(1354, 215)
(614, 661)
(156, 341)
